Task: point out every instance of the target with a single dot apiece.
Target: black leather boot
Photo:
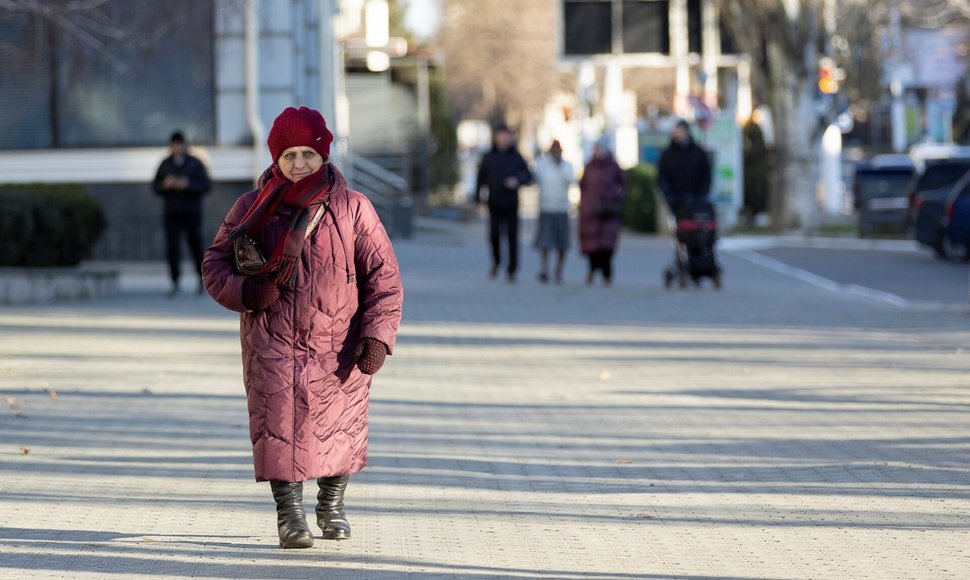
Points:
(330, 508)
(290, 516)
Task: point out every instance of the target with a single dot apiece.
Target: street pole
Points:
(831, 144)
(253, 118)
(586, 90)
(679, 49)
(896, 87)
(711, 40)
(327, 11)
(424, 120)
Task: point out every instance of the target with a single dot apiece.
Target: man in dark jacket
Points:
(684, 170)
(182, 180)
(503, 171)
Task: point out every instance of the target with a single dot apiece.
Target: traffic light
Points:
(828, 76)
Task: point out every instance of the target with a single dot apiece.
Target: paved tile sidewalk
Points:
(771, 430)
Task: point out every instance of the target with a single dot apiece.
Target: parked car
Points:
(879, 193)
(956, 220)
(927, 194)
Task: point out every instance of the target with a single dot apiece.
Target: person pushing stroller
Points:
(684, 177)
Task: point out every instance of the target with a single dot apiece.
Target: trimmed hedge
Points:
(640, 207)
(47, 225)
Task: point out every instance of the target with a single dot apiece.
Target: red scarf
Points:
(274, 190)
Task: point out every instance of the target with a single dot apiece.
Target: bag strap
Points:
(315, 220)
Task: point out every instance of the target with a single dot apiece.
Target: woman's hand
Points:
(259, 293)
(370, 355)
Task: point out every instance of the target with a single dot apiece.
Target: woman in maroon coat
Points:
(602, 190)
(316, 321)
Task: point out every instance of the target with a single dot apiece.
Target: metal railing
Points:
(388, 192)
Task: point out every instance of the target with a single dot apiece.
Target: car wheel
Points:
(954, 251)
(939, 247)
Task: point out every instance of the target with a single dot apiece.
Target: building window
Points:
(123, 73)
(646, 27)
(588, 28)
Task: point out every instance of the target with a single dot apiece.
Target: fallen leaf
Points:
(623, 462)
(24, 451)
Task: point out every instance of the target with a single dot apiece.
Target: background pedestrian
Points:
(503, 171)
(602, 191)
(684, 169)
(182, 181)
(554, 175)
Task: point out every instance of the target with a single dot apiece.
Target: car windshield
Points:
(937, 176)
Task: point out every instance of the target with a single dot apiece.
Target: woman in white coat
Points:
(554, 175)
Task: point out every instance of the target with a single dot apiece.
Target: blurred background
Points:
(819, 115)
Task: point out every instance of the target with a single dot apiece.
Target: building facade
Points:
(93, 95)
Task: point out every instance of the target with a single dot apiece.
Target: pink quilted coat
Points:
(308, 402)
(603, 183)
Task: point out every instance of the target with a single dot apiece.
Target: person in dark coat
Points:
(182, 180)
(684, 170)
(602, 190)
(503, 171)
(316, 321)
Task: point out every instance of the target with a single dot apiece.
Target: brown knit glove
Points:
(370, 355)
(259, 293)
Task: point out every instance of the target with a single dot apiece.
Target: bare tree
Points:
(933, 13)
(786, 39)
(81, 64)
(500, 57)
(87, 22)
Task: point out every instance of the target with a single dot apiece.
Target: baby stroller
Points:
(696, 235)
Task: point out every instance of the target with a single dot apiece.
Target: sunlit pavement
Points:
(774, 429)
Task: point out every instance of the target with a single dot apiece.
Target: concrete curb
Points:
(21, 286)
(737, 243)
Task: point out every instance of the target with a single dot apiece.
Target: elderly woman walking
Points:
(554, 176)
(602, 190)
(308, 265)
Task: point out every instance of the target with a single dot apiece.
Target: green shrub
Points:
(640, 207)
(443, 163)
(47, 225)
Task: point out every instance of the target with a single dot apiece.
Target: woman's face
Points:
(298, 162)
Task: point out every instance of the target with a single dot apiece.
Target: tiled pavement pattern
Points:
(772, 430)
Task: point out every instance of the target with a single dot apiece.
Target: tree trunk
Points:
(793, 202)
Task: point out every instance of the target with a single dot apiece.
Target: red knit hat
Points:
(303, 127)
